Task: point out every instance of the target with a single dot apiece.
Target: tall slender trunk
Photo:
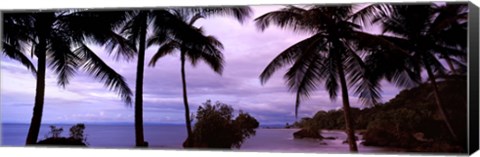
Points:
(185, 102)
(440, 107)
(346, 108)
(36, 121)
(139, 84)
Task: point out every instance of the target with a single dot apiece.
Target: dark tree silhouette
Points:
(205, 48)
(329, 55)
(163, 22)
(428, 32)
(56, 38)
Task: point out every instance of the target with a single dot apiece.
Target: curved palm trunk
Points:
(346, 109)
(36, 121)
(440, 107)
(185, 101)
(139, 86)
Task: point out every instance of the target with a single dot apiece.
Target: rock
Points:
(330, 138)
(196, 144)
(62, 141)
(144, 144)
(420, 136)
(304, 133)
(439, 147)
(387, 134)
(346, 141)
(361, 132)
(378, 137)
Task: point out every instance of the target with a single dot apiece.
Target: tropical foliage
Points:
(217, 128)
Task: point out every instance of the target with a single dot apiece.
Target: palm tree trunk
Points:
(346, 109)
(36, 121)
(440, 107)
(139, 85)
(185, 101)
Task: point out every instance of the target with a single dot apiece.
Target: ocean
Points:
(172, 137)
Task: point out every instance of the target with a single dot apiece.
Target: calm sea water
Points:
(172, 137)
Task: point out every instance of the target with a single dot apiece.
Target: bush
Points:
(216, 128)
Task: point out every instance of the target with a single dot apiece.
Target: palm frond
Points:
(432, 61)
(167, 23)
(368, 42)
(360, 77)
(62, 59)
(331, 78)
(448, 15)
(188, 39)
(17, 55)
(288, 18)
(195, 18)
(399, 69)
(239, 13)
(303, 78)
(164, 50)
(100, 70)
(120, 46)
(99, 27)
(211, 54)
(157, 39)
(286, 57)
(462, 66)
(368, 14)
(132, 28)
(17, 30)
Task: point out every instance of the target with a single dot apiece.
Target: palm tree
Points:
(425, 31)
(13, 48)
(207, 49)
(56, 37)
(135, 29)
(330, 55)
(450, 31)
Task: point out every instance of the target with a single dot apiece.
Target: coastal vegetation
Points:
(409, 120)
(76, 138)
(217, 128)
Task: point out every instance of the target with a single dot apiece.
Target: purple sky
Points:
(247, 52)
